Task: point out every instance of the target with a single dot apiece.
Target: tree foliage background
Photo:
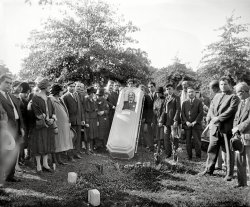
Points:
(88, 43)
(4, 69)
(229, 55)
(175, 74)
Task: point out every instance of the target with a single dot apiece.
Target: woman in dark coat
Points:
(43, 136)
(91, 125)
(103, 118)
(23, 97)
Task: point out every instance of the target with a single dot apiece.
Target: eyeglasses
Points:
(150, 86)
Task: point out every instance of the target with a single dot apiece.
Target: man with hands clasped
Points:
(170, 117)
(221, 113)
(192, 114)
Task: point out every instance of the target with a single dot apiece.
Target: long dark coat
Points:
(42, 139)
(103, 120)
(91, 118)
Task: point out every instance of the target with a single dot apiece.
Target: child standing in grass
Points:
(91, 125)
(103, 118)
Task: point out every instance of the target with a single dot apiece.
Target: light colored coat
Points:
(63, 142)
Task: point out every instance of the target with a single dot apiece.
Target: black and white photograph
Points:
(125, 103)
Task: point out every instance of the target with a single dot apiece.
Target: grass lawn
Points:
(172, 185)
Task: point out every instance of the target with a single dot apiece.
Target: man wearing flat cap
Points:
(170, 117)
(131, 83)
(241, 127)
(76, 115)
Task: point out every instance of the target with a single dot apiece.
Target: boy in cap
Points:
(158, 109)
(103, 119)
(91, 125)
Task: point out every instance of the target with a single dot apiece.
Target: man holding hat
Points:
(170, 117)
(241, 127)
(73, 104)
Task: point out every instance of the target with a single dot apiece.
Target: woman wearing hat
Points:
(23, 97)
(103, 118)
(91, 119)
(43, 136)
(63, 142)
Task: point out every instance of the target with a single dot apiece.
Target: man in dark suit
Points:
(192, 114)
(242, 127)
(147, 117)
(112, 100)
(130, 104)
(170, 117)
(222, 111)
(76, 117)
(15, 121)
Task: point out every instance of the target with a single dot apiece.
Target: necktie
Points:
(14, 107)
(7, 97)
(242, 107)
(74, 96)
(221, 98)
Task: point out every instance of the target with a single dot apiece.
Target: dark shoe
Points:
(39, 172)
(240, 186)
(77, 157)
(205, 173)
(228, 178)
(47, 170)
(62, 163)
(13, 180)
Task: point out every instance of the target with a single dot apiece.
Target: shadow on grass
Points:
(148, 178)
(180, 168)
(179, 188)
(4, 198)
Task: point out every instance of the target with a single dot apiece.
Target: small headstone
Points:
(94, 197)
(72, 177)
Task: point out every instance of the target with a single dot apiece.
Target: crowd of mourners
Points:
(48, 120)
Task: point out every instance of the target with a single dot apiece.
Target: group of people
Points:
(48, 119)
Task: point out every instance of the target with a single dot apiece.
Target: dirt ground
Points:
(175, 184)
